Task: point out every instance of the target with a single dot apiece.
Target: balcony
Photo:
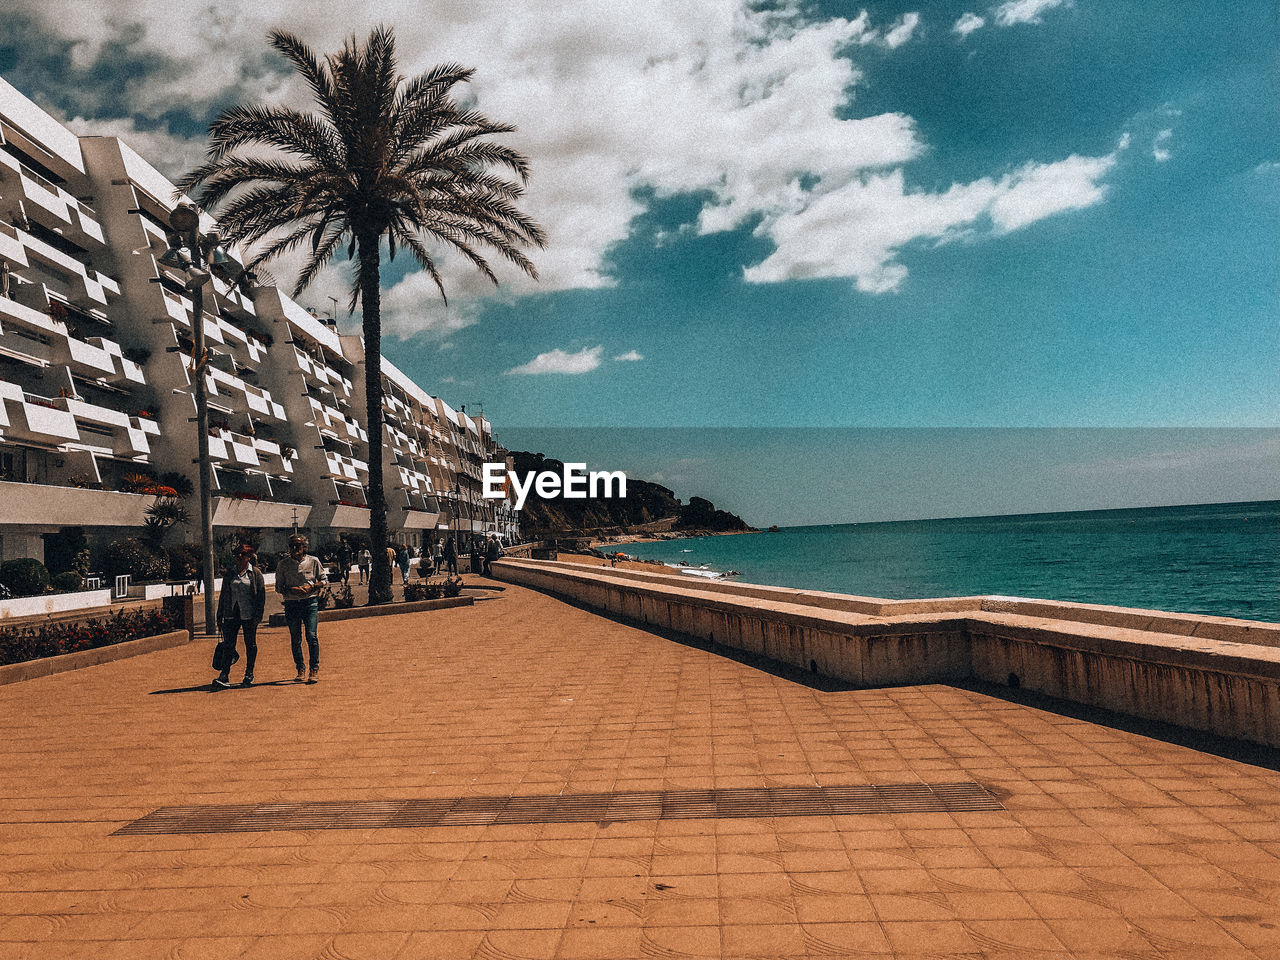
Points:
(415, 518)
(42, 420)
(111, 430)
(232, 447)
(274, 456)
(95, 285)
(346, 468)
(11, 247)
(241, 397)
(58, 506)
(177, 307)
(25, 344)
(345, 427)
(321, 374)
(346, 507)
(249, 512)
(48, 202)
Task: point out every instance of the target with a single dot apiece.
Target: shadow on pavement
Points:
(1241, 751)
(208, 687)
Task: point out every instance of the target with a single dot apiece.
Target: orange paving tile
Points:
(1111, 843)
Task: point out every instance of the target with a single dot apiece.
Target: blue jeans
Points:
(297, 614)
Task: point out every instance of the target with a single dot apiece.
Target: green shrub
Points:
(138, 559)
(63, 550)
(415, 591)
(26, 577)
(67, 582)
(185, 562)
(19, 644)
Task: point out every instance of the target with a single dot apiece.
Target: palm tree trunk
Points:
(371, 307)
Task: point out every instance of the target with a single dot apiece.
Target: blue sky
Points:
(1155, 306)
(817, 215)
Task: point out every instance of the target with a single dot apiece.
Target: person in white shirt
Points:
(299, 579)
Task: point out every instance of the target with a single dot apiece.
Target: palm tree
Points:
(384, 157)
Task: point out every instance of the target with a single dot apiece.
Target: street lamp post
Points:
(197, 256)
(456, 522)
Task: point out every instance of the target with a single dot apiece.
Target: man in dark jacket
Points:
(492, 552)
(344, 560)
(240, 607)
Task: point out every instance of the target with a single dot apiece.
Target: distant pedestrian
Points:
(299, 579)
(240, 605)
(437, 556)
(364, 562)
(450, 556)
(402, 561)
(477, 555)
(492, 552)
(344, 560)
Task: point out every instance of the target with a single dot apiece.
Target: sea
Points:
(1220, 559)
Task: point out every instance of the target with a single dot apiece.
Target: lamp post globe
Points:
(184, 218)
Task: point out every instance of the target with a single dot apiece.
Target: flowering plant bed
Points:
(433, 588)
(18, 644)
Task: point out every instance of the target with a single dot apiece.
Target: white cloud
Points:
(901, 32)
(1041, 190)
(968, 23)
(169, 154)
(1025, 11)
(558, 361)
(858, 230)
(413, 305)
(630, 356)
(744, 106)
(1159, 148)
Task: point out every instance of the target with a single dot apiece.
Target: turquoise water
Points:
(1218, 559)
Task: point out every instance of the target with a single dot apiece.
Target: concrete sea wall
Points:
(1214, 674)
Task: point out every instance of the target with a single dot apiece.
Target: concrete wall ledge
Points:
(46, 666)
(51, 603)
(1217, 655)
(1207, 673)
(1214, 628)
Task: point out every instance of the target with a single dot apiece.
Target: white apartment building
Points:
(96, 375)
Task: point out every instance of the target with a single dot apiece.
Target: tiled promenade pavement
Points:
(1112, 845)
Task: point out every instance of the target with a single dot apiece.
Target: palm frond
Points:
(306, 63)
(279, 127)
(381, 156)
(424, 259)
(321, 254)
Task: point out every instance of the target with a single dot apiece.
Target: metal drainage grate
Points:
(572, 808)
